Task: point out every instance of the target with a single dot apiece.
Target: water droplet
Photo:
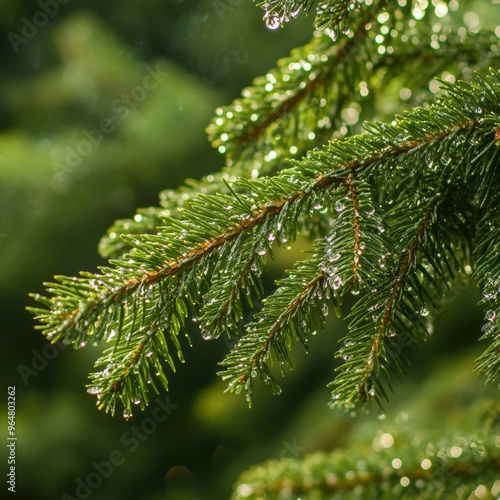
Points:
(445, 159)
(137, 401)
(272, 20)
(487, 328)
(423, 312)
(490, 315)
(335, 282)
(339, 206)
(334, 258)
(127, 414)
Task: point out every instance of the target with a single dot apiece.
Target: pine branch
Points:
(142, 302)
(264, 114)
(487, 272)
(330, 14)
(444, 469)
(300, 304)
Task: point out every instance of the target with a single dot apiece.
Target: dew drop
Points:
(339, 206)
(487, 328)
(445, 159)
(490, 315)
(334, 258)
(272, 20)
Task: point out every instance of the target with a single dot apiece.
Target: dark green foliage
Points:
(395, 213)
(449, 468)
(202, 264)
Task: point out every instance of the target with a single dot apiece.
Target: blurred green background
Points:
(87, 137)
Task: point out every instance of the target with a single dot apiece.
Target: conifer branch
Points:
(395, 294)
(487, 272)
(357, 250)
(246, 147)
(168, 276)
(418, 471)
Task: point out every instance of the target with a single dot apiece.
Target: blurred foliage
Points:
(78, 85)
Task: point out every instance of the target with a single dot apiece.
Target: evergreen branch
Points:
(304, 87)
(330, 14)
(300, 303)
(151, 220)
(487, 272)
(166, 276)
(396, 291)
(278, 12)
(289, 314)
(325, 93)
(425, 470)
(333, 15)
(357, 248)
(222, 305)
(393, 318)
